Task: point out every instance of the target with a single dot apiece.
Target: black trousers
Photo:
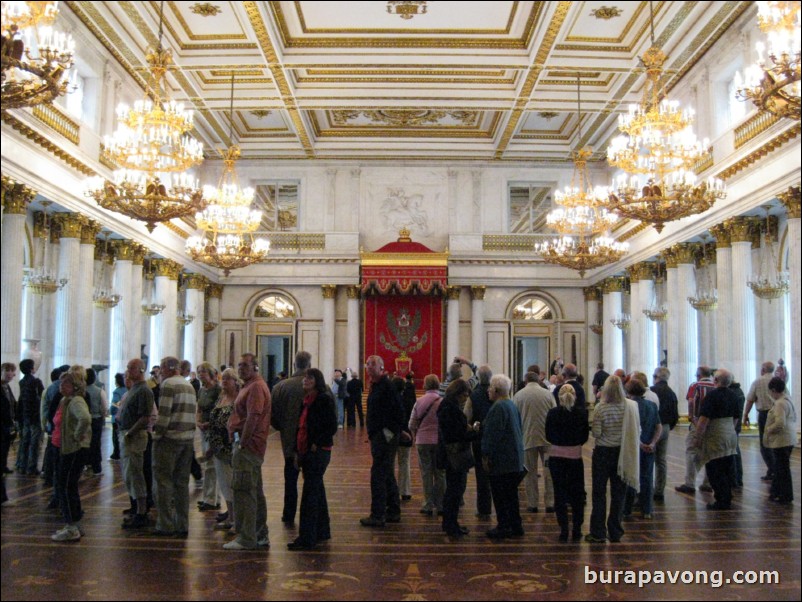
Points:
(290, 491)
(765, 452)
(505, 497)
(782, 486)
(69, 471)
(456, 480)
(484, 498)
(568, 477)
(720, 472)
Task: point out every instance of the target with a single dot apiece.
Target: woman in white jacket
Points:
(780, 436)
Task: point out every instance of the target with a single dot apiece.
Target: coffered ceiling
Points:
(349, 80)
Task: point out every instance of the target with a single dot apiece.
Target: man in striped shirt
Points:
(173, 436)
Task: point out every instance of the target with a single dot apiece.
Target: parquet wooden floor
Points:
(408, 561)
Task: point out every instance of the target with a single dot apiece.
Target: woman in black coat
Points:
(316, 428)
(567, 430)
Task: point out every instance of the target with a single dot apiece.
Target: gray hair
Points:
(569, 371)
(662, 373)
(485, 373)
(303, 359)
(502, 384)
(531, 377)
(723, 377)
(767, 368)
(455, 371)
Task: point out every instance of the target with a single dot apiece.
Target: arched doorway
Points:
(532, 318)
(273, 319)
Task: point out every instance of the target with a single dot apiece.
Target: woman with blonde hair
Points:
(72, 435)
(609, 431)
(567, 431)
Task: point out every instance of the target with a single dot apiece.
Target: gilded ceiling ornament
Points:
(205, 9)
(404, 117)
(547, 115)
(606, 12)
(260, 113)
(406, 10)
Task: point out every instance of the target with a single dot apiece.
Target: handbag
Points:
(460, 456)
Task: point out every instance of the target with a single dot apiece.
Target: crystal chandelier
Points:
(581, 254)
(769, 283)
(774, 87)
(104, 296)
(41, 280)
(580, 212)
(149, 306)
(35, 58)
(153, 149)
(184, 319)
(657, 152)
(406, 10)
(622, 321)
(657, 311)
(706, 298)
(228, 222)
(597, 328)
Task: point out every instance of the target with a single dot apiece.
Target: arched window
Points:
(275, 306)
(532, 308)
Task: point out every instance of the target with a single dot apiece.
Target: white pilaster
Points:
(329, 293)
(164, 327)
(66, 328)
(193, 332)
(121, 331)
(86, 268)
(452, 323)
(353, 355)
(613, 336)
(743, 359)
(478, 351)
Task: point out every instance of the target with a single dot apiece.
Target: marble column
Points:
(49, 303)
(724, 287)
(121, 328)
(214, 296)
(674, 303)
(16, 198)
(68, 337)
(32, 302)
(592, 298)
(101, 319)
(353, 355)
(164, 327)
(744, 359)
(478, 351)
(612, 291)
(137, 317)
(195, 285)
(86, 267)
(707, 322)
(791, 200)
(452, 323)
(643, 333)
(771, 312)
(329, 292)
(683, 371)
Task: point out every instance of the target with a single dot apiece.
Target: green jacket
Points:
(76, 425)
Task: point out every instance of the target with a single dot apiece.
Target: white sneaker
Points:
(263, 542)
(235, 545)
(68, 533)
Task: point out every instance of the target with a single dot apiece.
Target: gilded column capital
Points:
(740, 229)
(214, 291)
(614, 284)
(194, 281)
(641, 271)
(353, 291)
(791, 199)
(478, 293)
(722, 235)
(16, 196)
(686, 252)
(329, 291)
(670, 256)
(39, 230)
(592, 293)
(124, 250)
(167, 268)
(453, 292)
(70, 225)
(89, 232)
(140, 251)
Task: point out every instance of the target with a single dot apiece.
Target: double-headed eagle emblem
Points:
(404, 331)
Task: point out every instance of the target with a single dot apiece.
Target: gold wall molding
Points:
(632, 232)
(761, 152)
(791, 199)
(478, 293)
(295, 241)
(167, 268)
(40, 140)
(508, 242)
(329, 291)
(16, 196)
